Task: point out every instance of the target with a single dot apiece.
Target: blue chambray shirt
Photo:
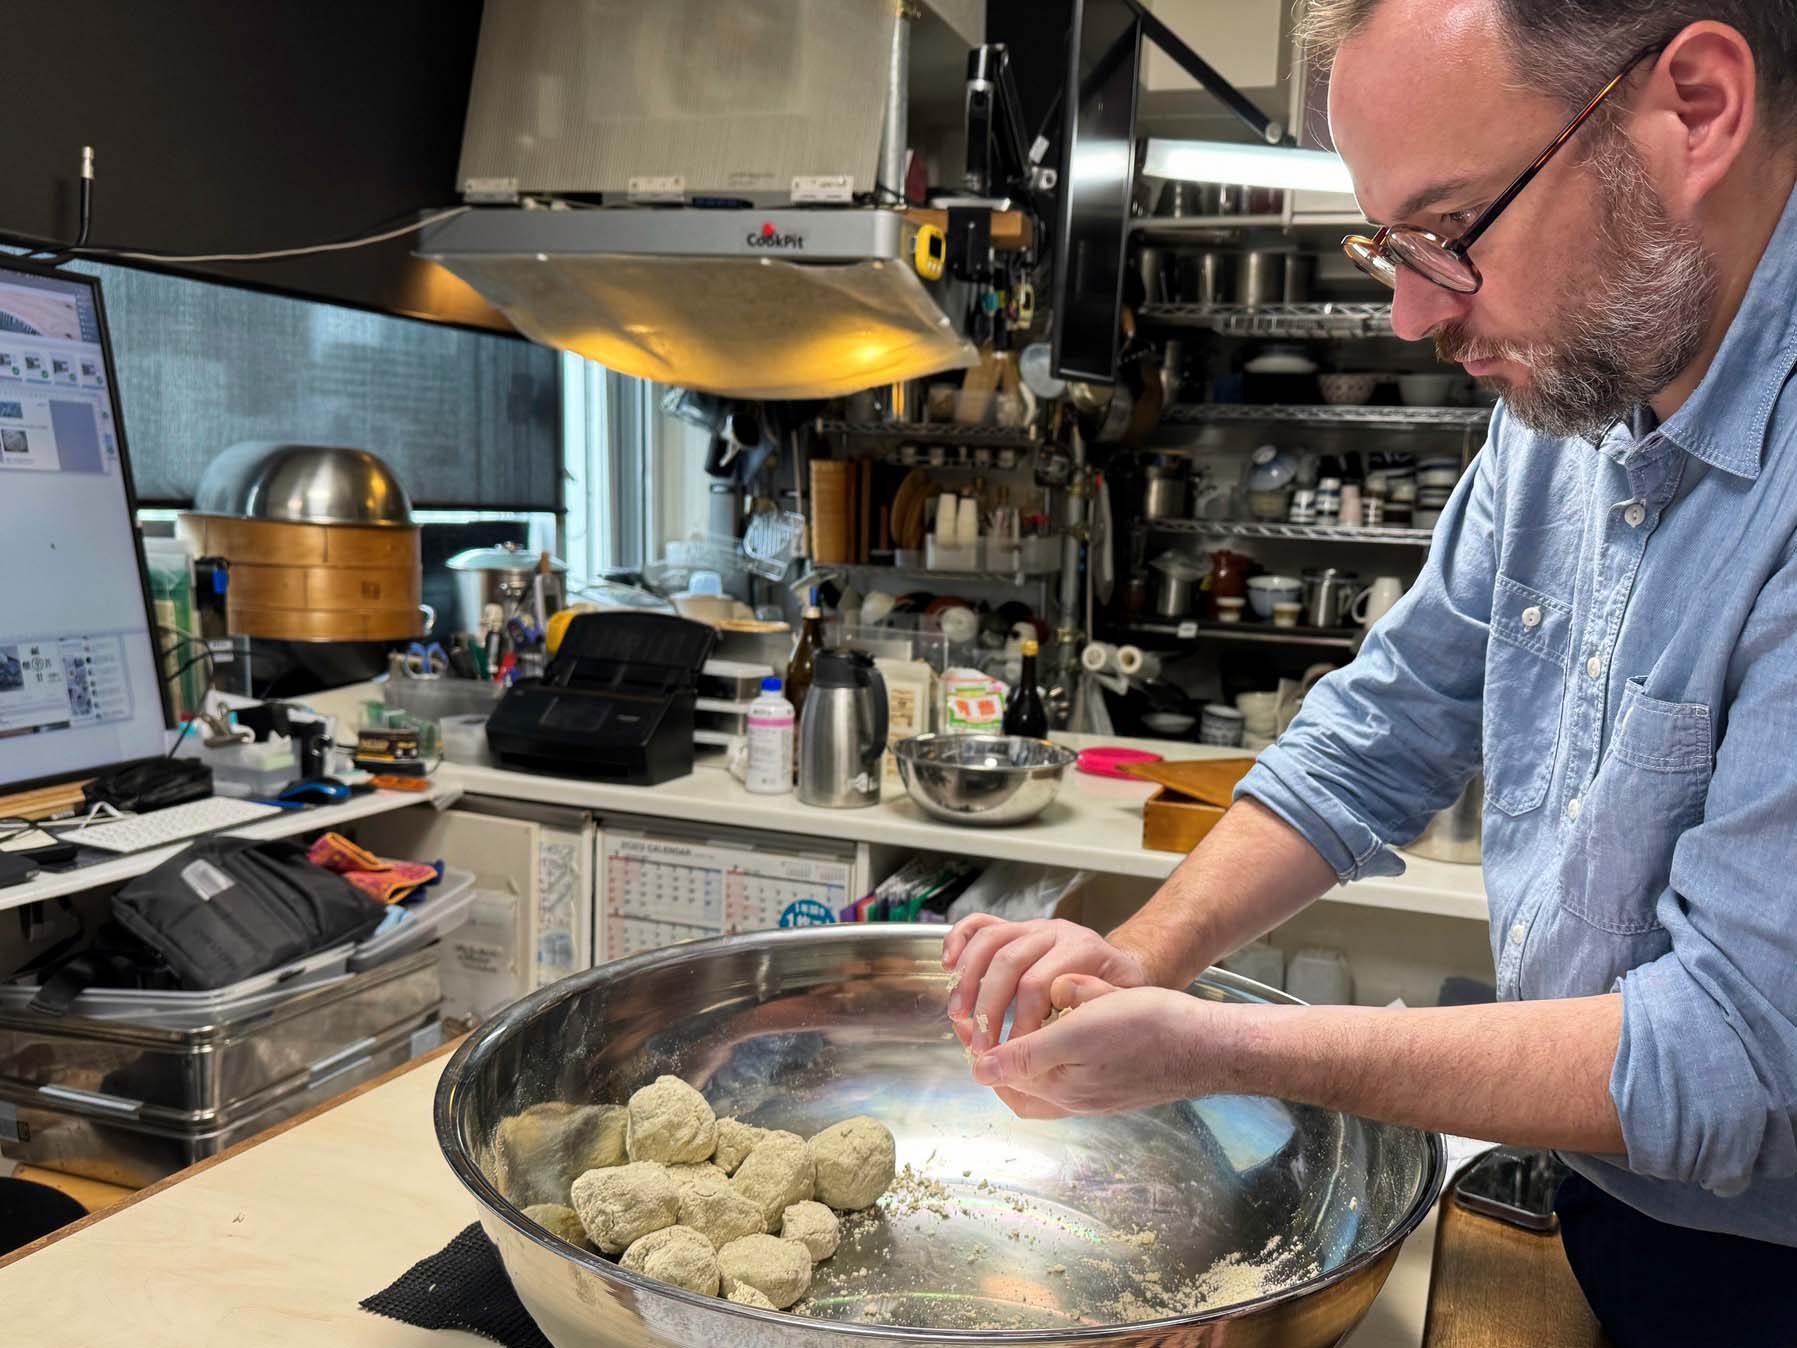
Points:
(1611, 632)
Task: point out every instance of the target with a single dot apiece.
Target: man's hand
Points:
(998, 962)
(1115, 1051)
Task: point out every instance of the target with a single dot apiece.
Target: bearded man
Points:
(1590, 204)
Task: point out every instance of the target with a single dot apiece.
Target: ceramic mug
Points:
(1378, 599)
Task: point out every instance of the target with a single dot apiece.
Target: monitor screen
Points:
(79, 683)
(1104, 60)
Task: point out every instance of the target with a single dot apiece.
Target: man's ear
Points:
(1699, 112)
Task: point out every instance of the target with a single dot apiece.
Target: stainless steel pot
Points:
(1329, 593)
(1457, 833)
(1205, 278)
(1175, 595)
(1164, 497)
(500, 575)
(1260, 277)
(797, 1029)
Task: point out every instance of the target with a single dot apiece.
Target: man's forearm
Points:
(1249, 875)
(1532, 1074)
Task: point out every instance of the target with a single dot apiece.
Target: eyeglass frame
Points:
(1377, 246)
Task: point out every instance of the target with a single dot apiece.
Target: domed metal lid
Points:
(303, 484)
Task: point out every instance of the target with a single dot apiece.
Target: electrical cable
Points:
(274, 253)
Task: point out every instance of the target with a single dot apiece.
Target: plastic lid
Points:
(771, 685)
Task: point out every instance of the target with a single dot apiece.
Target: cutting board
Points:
(1194, 795)
(1495, 1286)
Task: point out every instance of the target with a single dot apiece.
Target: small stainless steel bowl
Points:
(988, 780)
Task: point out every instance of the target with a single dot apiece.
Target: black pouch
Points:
(226, 909)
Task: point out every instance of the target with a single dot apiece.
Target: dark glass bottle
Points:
(1024, 712)
(804, 655)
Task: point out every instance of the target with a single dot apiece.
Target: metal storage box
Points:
(224, 1061)
(134, 1144)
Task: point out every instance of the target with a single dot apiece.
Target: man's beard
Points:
(1630, 331)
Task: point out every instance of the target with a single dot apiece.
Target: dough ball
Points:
(856, 1161)
(538, 1154)
(683, 1175)
(715, 1210)
(744, 1295)
(777, 1174)
(622, 1204)
(559, 1220)
(814, 1226)
(735, 1141)
(671, 1123)
(677, 1255)
(779, 1269)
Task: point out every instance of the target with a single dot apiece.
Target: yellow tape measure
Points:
(930, 252)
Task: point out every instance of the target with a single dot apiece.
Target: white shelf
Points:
(1310, 321)
(56, 884)
(1210, 414)
(1264, 633)
(1095, 825)
(1297, 533)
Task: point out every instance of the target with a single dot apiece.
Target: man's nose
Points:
(1420, 306)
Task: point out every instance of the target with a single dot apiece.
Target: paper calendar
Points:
(658, 890)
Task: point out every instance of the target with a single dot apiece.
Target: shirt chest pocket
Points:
(1525, 683)
(1650, 789)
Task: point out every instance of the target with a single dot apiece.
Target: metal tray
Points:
(214, 1067)
(117, 1144)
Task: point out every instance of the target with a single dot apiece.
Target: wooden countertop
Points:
(275, 1242)
(1496, 1286)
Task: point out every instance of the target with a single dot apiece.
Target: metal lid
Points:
(303, 484)
(504, 557)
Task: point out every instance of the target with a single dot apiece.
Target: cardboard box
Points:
(1193, 796)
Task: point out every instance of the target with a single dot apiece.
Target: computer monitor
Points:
(1103, 78)
(80, 682)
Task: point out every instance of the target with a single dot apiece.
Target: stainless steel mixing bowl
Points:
(989, 780)
(1043, 1224)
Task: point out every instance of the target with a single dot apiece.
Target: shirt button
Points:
(1531, 617)
(1635, 514)
(1517, 933)
(1594, 667)
(1572, 808)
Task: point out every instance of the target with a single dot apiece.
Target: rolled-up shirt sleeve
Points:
(1385, 743)
(1705, 1079)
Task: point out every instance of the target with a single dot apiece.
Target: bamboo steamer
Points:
(315, 582)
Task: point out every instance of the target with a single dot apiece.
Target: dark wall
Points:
(244, 125)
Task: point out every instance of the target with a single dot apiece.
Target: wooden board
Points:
(1496, 1286)
(1012, 231)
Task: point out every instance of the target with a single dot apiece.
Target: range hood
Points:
(707, 129)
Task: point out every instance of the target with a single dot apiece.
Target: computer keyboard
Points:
(175, 824)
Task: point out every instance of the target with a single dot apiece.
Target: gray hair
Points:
(1570, 47)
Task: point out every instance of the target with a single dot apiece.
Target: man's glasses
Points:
(1445, 261)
